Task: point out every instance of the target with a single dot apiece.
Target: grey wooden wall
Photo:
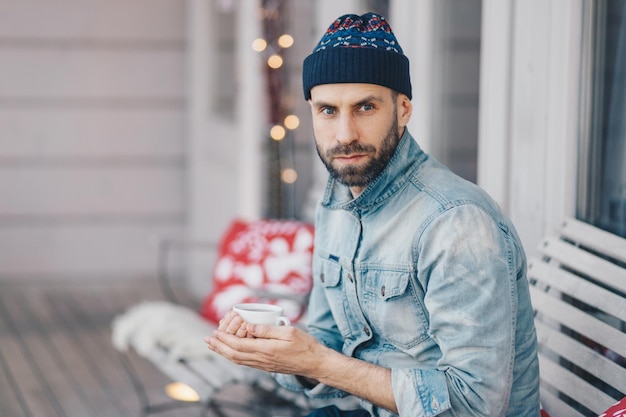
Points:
(457, 72)
(91, 136)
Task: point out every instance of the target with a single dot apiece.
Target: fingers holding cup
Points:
(232, 323)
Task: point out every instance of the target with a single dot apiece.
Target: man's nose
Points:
(347, 131)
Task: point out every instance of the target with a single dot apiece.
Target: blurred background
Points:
(128, 123)
(125, 122)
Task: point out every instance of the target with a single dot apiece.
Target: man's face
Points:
(356, 130)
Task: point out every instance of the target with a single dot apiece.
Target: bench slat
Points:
(581, 289)
(555, 406)
(218, 371)
(583, 356)
(572, 385)
(586, 263)
(579, 321)
(595, 238)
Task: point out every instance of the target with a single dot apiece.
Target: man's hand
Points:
(289, 350)
(282, 349)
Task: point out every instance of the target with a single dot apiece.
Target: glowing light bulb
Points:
(285, 41)
(277, 132)
(289, 175)
(259, 44)
(275, 61)
(181, 392)
(292, 122)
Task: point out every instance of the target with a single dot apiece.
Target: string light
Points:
(289, 175)
(273, 51)
(277, 132)
(275, 61)
(285, 41)
(292, 122)
(259, 44)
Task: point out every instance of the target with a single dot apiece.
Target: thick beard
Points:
(361, 176)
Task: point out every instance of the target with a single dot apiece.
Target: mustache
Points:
(350, 148)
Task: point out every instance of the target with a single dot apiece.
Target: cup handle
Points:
(283, 321)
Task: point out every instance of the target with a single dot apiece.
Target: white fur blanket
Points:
(159, 324)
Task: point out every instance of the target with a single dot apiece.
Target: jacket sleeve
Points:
(467, 265)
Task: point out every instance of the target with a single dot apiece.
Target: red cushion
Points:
(617, 410)
(268, 255)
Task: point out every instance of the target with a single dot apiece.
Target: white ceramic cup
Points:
(259, 313)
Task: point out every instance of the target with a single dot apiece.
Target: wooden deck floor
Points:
(56, 356)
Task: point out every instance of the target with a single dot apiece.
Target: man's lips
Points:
(353, 158)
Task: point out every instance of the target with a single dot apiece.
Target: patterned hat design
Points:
(358, 49)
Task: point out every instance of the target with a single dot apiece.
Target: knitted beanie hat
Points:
(358, 49)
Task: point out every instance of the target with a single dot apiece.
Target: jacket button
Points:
(350, 277)
(366, 330)
(382, 290)
(322, 277)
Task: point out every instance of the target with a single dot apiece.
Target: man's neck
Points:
(356, 191)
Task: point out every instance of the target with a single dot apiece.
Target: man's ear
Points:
(405, 108)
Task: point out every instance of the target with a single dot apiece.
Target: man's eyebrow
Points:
(359, 103)
(367, 100)
(320, 104)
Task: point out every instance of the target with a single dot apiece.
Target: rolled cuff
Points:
(320, 391)
(429, 396)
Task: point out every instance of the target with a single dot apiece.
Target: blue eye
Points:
(328, 111)
(368, 107)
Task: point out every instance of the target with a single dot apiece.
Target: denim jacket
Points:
(422, 274)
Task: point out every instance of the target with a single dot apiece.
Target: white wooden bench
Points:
(578, 290)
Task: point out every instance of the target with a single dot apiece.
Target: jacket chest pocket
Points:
(395, 308)
(330, 276)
